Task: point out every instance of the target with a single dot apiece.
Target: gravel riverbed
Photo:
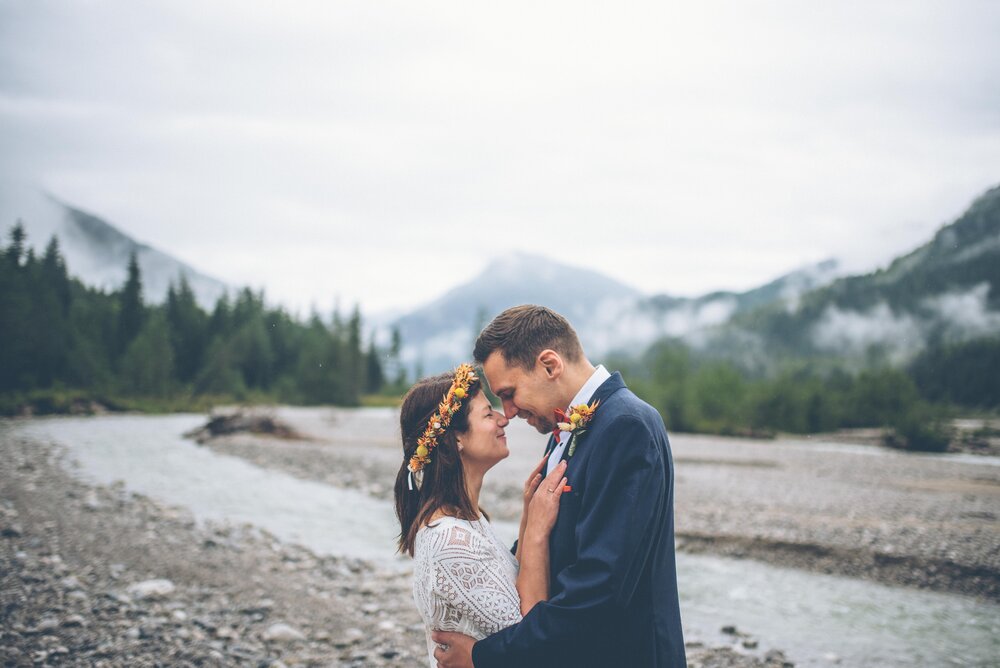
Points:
(97, 575)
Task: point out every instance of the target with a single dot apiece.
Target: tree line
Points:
(711, 396)
(63, 339)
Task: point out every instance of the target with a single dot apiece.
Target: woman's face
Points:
(484, 444)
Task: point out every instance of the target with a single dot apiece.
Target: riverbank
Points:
(95, 575)
(898, 518)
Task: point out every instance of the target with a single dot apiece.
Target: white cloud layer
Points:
(383, 152)
(955, 316)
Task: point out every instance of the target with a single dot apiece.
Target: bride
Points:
(464, 578)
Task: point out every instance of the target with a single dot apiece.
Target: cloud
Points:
(965, 315)
(955, 316)
(852, 333)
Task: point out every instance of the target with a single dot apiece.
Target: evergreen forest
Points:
(65, 345)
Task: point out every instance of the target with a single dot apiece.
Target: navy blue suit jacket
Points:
(613, 581)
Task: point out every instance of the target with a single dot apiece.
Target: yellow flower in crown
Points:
(575, 423)
(451, 403)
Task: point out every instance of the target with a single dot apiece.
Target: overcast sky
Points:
(383, 152)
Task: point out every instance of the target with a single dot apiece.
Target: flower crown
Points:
(450, 404)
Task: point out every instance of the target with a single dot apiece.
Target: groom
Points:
(613, 580)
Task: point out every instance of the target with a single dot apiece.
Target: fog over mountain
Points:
(947, 291)
(96, 251)
(608, 315)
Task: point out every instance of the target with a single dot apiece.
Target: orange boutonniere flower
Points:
(575, 423)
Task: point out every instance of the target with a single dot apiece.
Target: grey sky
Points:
(384, 151)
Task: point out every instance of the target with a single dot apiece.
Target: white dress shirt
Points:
(582, 397)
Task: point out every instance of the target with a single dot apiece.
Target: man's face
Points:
(528, 395)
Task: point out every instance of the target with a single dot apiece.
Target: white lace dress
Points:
(463, 580)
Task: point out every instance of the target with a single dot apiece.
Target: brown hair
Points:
(521, 332)
(443, 484)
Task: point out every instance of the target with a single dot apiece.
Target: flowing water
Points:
(818, 620)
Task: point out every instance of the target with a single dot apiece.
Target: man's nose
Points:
(509, 409)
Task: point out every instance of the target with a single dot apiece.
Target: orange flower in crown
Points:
(450, 404)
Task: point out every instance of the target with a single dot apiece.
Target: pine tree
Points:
(47, 318)
(55, 275)
(15, 251)
(15, 306)
(132, 310)
(374, 376)
(188, 326)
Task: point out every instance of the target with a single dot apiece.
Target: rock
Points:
(775, 657)
(45, 625)
(91, 502)
(70, 582)
(351, 636)
(263, 608)
(151, 589)
(133, 633)
(730, 630)
(241, 421)
(74, 621)
(282, 633)
(750, 644)
(179, 616)
(226, 633)
(204, 623)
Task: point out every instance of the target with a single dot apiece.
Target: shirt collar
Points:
(590, 387)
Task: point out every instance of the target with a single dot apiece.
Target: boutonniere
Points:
(575, 423)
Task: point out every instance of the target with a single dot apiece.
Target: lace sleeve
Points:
(470, 581)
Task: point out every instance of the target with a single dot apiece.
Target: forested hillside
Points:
(903, 347)
(65, 343)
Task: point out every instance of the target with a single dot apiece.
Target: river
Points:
(818, 620)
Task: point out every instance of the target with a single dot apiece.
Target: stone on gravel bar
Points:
(151, 589)
(282, 633)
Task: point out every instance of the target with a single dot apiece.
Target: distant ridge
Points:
(607, 314)
(945, 291)
(441, 333)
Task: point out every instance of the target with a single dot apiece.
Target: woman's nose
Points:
(503, 421)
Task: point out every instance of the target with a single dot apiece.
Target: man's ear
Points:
(551, 363)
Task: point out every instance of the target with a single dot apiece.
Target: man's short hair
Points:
(521, 332)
